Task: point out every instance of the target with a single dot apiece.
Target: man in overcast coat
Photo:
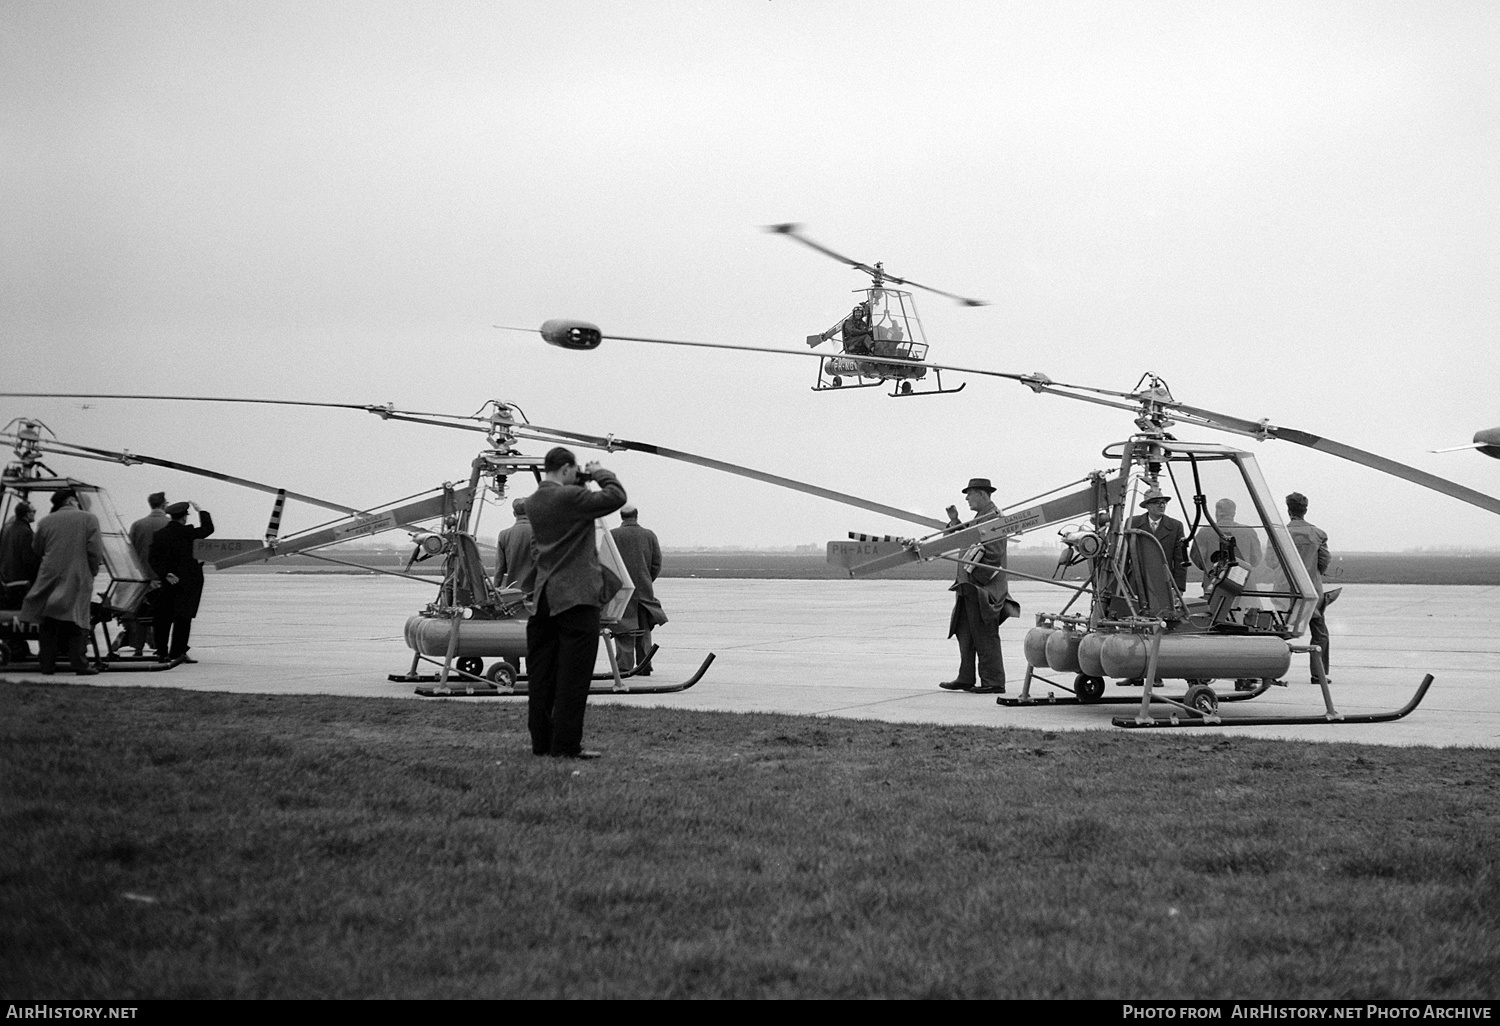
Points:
(71, 550)
(642, 555)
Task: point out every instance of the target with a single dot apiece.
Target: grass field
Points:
(162, 843)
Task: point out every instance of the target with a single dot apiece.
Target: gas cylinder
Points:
(503, 639)
(1196, 656)
(1062, 651)
(1035, 646)
(1089, 650)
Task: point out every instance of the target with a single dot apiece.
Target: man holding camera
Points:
(566, 585)
(981, 601)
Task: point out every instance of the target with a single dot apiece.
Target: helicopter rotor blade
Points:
(382, 410)
(127, 458)
(611, 443)
(1262, 429)
(960, 300)
(793, 230)
(1034, 380)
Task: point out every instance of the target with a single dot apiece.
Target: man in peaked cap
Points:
(1155, 566)
(981, 602)
(182, 580)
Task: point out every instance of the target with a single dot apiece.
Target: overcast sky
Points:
(1288, 211)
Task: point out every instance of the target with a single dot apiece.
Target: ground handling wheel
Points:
(470, 664)
(1202, 698)
(1088, 689)
(502, 675)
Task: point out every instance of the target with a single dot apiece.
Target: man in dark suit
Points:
(566, 585)
(1155, 566)
(981, 602)
(18, 563)
(641, 552)
(182, 581)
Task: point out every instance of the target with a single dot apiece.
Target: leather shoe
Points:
(989, 689)
(87, 671)
(186, 659)
(581, 754)
(956, 685)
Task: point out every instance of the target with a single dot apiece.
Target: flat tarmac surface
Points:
(860, 649)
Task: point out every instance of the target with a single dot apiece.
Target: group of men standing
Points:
(1159, 560)
(163, 539)
(48, 573)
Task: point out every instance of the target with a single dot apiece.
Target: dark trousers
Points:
(632, 649)
(560, 653)
(65, 637)
(169, 630)
(977, 642)
(1317, 629)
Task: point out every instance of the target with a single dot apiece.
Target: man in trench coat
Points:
(71, 549)
(181, 579)
(981, 603)
(642, 555)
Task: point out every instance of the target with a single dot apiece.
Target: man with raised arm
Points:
(566, 586)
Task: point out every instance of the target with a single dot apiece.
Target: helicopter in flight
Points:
(1486, 441)
(1137, 626)
(471, 619)
(881, 338)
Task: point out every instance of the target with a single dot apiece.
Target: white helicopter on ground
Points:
(1244, 628)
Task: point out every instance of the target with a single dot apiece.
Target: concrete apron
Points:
(859, 649)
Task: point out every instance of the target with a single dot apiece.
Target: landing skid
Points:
(1194, 718)
(1026, 698)
(466, 685)
(901, 384)
(1020, 702)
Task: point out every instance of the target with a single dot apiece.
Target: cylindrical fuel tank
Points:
(503, 639)
(1062, 651)
(1035, 646)
(1089, 650)
(1196, 656)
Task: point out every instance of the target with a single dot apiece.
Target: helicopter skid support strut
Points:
(1192, 718)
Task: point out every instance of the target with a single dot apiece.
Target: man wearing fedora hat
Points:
(1155, 566)
(59, 601)
(981, 603)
